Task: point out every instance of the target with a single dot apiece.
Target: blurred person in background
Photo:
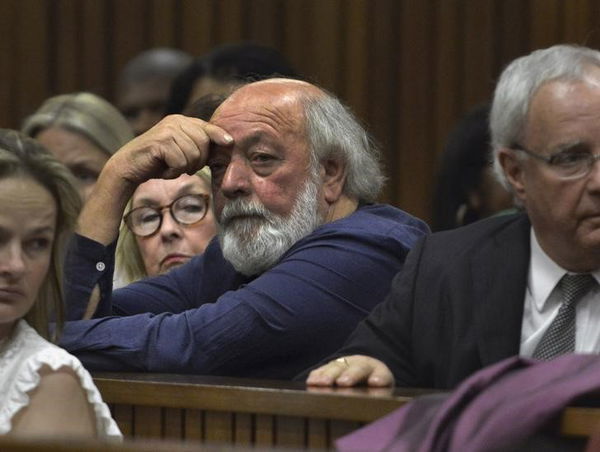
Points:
(144, 84)
(467, 189)
(82, 131)
(223, 69)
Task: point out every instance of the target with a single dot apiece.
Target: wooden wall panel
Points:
(163, 23)
(265, 22)
(409, 68)
(415, 149)
(197, 25)
(229, 20)
(30, 57)
(8, 73)
(477, 40)
(448, 65)
(96, 51)
(383, 72)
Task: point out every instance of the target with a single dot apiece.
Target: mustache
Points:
(243, 208)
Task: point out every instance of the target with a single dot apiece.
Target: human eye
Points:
(85, 175)
(145, 215)
(263, 161)
(189, 209)
(262, 157)
(36, 245)
(191, 203)
(569, 159)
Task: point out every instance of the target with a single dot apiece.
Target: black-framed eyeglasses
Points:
(567, 164)
(186, 210)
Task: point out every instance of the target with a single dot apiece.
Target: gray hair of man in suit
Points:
(520, 82)
(545, 135)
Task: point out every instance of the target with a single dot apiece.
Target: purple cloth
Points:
(499, 406)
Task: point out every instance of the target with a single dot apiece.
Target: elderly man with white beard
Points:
(303, 251)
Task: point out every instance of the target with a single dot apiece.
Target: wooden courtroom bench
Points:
(241, 412)
(261, 413)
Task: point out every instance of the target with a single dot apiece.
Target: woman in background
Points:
(82, 130)
(167, 222)
(45, 390)
(467, 189)
(152, 241)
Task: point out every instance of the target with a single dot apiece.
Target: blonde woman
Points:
(45, 391)
(166, 223)
(82, 131)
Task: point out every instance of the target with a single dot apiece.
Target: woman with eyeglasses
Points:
(166, 223)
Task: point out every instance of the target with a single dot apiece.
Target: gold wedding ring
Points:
(343, 361)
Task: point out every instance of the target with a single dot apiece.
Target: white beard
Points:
(255, 244)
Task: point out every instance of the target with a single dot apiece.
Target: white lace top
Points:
(21, 357)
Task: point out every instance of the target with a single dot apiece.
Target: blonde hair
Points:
(85, 114)
(128, 259)
(23, 157)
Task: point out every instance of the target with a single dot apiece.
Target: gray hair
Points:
(85, 114)
(334, 131)
(519, 83)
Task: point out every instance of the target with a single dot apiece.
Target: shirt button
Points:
(100, 266)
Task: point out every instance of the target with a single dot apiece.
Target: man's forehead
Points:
(279, 93)
(277, 109)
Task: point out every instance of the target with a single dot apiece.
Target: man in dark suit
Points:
(522, 284)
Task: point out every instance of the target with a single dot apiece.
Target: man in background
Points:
(144, 85)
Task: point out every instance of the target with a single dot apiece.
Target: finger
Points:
(188, 154)
(325, 375)
(218, 135)
(356, 373)
(199, 129)
(381, 376)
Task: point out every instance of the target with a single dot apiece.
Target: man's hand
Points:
(351, 371)
(176, 145)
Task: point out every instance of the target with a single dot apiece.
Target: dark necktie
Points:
(559, 338)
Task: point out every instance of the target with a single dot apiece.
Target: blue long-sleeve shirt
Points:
(206, 318)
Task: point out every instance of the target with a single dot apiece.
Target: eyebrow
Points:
(574, 145)
(252, 139)
(43, 230)
(186, 189)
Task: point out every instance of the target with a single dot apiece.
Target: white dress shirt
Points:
(543, 299)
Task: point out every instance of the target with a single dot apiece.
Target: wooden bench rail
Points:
(241, 412)
(249, 396)
(267, 414)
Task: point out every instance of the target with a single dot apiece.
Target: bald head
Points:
(316, 117)
(275, 92)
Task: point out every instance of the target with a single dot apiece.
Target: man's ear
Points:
(513, 170)
(333, 175)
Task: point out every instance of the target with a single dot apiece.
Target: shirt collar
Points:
(544, 274)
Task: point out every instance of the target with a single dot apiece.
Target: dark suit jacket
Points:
(456, 307)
